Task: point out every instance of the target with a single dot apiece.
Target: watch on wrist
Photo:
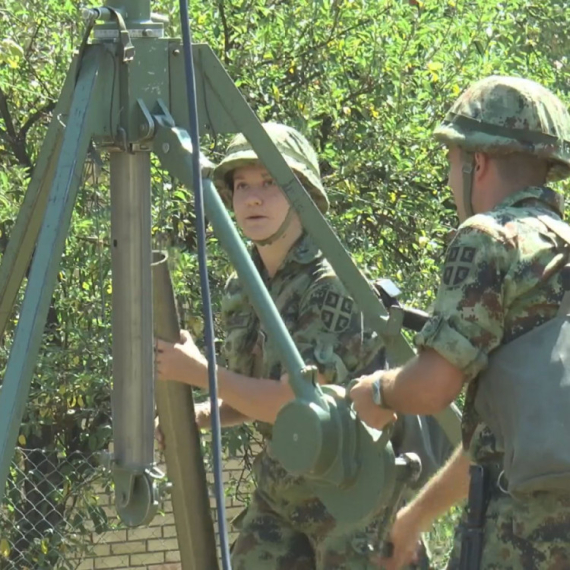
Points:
(378, 394)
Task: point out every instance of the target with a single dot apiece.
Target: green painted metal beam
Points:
(43, 273)
(24, 234)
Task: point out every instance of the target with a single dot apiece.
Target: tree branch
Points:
(228, 44)
(16, 143)
(35, 117)
(5, 114)
(32, 40)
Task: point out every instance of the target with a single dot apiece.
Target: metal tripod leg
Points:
(184, 463)
(51, 241)
(25, 231)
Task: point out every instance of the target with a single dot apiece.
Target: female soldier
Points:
(285, 525)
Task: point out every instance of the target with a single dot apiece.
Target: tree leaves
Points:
(10, 53)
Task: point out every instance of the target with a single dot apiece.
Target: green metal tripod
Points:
(122, 94)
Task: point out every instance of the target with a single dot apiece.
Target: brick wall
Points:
(153, 547)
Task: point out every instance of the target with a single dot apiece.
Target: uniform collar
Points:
(303, 251)
(550, 198)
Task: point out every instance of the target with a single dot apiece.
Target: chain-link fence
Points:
(58, 513)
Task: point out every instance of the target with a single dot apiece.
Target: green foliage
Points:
(365, 81)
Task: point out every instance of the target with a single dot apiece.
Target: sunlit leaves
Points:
(10, 53)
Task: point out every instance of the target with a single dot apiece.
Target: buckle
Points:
(502, 483)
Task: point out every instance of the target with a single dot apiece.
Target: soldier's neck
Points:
(273, 255)
(497, 186)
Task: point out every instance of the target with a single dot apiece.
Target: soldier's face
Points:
(259, 204)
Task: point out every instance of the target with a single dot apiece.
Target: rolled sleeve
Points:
(439, 334)
(468, 314)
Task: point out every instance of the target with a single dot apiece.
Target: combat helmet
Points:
(501, 115)
(295, 148)
(297, 152)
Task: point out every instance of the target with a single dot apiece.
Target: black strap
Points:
(480, 484)
(521, 135)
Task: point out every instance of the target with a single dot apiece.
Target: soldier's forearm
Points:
(426, 385)
(228, 416)
(449, 486)
(257, 398)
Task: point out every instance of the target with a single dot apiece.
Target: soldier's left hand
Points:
(181, 361)
(361, 394)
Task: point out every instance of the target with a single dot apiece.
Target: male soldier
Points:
(286, 526)
(502, 278)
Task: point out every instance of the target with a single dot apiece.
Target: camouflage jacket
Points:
(326, 326)
(501, 279)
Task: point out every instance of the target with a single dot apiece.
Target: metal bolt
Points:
(165, 147)
(146, 32)
(175, 52)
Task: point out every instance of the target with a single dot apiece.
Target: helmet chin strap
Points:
(468, 160)
(282, 228)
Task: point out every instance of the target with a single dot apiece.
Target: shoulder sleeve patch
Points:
(458, 264)
(336, 311)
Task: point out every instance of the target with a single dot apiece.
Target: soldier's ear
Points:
(478, 156)
(482, 164)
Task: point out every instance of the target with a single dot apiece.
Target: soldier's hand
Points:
(405, 537)
(362, 396)
(202, 411)
(159, 436)
(181, 361)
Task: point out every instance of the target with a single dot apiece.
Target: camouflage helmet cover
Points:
(500, 115)
(296, 150)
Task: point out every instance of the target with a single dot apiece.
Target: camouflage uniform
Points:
(501, 279)
(286, 526)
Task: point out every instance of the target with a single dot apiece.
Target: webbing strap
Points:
(521, 135)
(468, 166)
(274, 237)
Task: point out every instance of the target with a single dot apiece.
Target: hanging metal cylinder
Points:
(132, 396)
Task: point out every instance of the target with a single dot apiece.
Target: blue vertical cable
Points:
(204, 285)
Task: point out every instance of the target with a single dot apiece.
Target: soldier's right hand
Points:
(159, 436)
(405, 537)
(202, 411)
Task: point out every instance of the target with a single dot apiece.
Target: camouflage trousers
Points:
(524, 534)
(267, 541)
